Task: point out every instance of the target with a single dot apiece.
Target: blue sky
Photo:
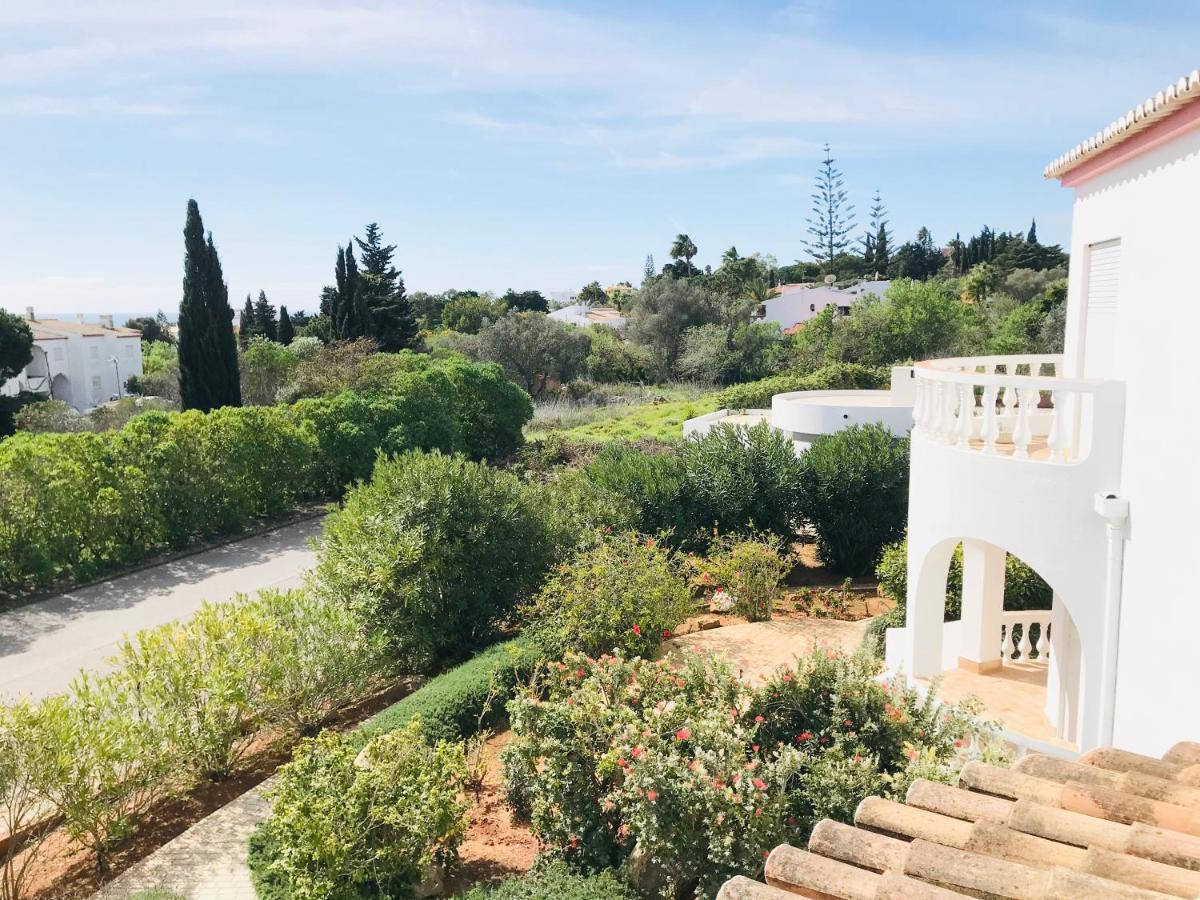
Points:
(527, 144)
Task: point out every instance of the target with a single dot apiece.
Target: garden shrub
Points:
(75, 505)
(556, 881)
(835, 376)
(612, 359)
(852, 488)
(626, 593)
(690, 776)
(349, 821)
(434, 551)
(656, 485)
(576, 511)
(742, 480)
(317, 653)
(751, 569)
(455, 704)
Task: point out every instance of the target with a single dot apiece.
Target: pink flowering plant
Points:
(690, 776)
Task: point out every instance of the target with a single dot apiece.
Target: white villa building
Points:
(794, 304)
(1081, 465)
(83, 364)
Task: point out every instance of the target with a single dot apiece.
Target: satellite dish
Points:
(830, 279)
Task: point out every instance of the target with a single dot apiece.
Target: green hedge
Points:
(837, 376)
(76, 505)
(450, 705)
(555, 881)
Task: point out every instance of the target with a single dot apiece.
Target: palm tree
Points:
(730, 256)
(684, 248)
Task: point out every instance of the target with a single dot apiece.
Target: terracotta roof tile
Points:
(1165, 103)
(1114, 824)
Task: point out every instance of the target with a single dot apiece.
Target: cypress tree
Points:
(1032, 236)
(264, 318)
(208, 370)
(349, 312)
(286, 332)
(246, 324)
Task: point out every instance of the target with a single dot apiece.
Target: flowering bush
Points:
(627, 592)
(750, 569)
(349, 823)
(691, 776)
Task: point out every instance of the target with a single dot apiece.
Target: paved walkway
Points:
(756, 649)
(206, 862)
(44, 645)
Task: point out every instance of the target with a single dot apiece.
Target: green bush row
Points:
(836, 376)
(183, 705)
(555, 881)
(453, 706)
(74, 505)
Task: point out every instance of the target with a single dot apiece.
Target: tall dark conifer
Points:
(390, 320)
(349, 318)
(287, 332)
(832, 219)
(264, 318)
(247, 326)
(208, 369)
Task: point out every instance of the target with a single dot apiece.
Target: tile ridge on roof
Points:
(1166, 102)
(1108, 825)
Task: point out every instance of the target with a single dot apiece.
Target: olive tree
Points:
(534, 349)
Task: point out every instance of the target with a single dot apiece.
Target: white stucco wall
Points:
(1150, 204)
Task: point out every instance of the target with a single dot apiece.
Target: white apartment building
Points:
(83, 364)
(1081, 465)
(794, 304)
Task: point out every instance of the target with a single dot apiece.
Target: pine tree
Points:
(1032, 236)
(648, 271)
(390, 320)
(286, 332)
(208, 370)
(832, 218)
(877, 241)
(247, 325)
(264, 318)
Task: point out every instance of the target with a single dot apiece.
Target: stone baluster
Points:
(1005, 642)
(1022, 433)
(1043, 642)
(990, 431)
(1024, 646)
(1056, 439)
(966, 415)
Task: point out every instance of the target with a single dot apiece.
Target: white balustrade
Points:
(1025, 636)
(1011, 405)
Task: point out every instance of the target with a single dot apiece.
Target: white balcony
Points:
(1009, 457)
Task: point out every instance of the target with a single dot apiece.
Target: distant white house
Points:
(794, 304)
(81, 363)
(582, 314)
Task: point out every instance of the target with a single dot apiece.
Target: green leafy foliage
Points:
(692, 775)
(853, 489)
(456, 704)
(74, 505)
(349, 821)
(556, 881)
(835, 376)
(16, 345)
(626, 592)
(742, 480)
(750, 569)
(655, 483)
(434, 551)
(612, 359)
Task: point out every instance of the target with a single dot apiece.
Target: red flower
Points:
(759, 719)
(637, 751)
(623, 763)
(754, 747)
(637, 629)
(666, 632)
(804, 736)
(651, 796)
(760, 784)
(683, 734)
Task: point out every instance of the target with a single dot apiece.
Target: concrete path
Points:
(756, 649)
(206, 862)
(44, 645)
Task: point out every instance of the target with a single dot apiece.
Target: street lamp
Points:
(117, 369)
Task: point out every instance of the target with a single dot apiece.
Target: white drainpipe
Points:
(1115, 511)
